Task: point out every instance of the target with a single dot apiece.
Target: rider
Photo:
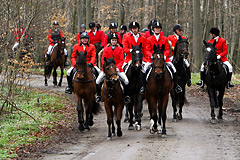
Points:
(135, 38)
(18, 32)
(54, 35)
(158, 39)
(221, 52)
(123, 31)
(172, 39)
(113, 29)
(91, 58)
(95, 36)
(114, 50)
(83, 30)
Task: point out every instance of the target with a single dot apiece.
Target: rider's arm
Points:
(224, 49)
(149, 49)
(120, 59)
(125, 45)
(167, 49)
(93, 55)
(50, 35)
(74, 56)
(61, 33)
(78, 38)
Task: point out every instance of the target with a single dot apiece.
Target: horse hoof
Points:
(119, 133)
(81, 127)
(164, 136)
(59, 85)
(174, 120)
(130, 127)
(109, 138)
(151, 131)
(46, 84)
(113, 134)
(213, 121)
(126, 119)
(138, 127)
(86, 127)
(90, 123)
(179, 116)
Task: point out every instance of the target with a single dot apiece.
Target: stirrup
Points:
(178, 89)
(127, 99)
(229, 85)
(68, 90)
(98, 99)
(189, 82)
(200, 84)
(142, 90)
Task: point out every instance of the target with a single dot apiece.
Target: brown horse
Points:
(112, 96)
(159, 84)
(84, 90)
(57, 59)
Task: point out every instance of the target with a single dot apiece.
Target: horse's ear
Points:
(204, 42)
(132, 45)
(214, 43)
(140, 45)
(154, 47)
(85, 52)
(77, 53)
(105, 59)
(163, 47)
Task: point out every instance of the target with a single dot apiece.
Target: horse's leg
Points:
(220, 102)
(211, 93)
(113, 127)
(88, 106)
(60, 81)
(80, 114)
(126, 114)
(139, 112)
(153, 122)
(173, 96)
(118, 119)
(181, 103)
(55, 77)
(130, 109)
(109, 112)
(46, 84)
(163, 113)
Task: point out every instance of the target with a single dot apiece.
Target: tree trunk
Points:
(121, 13)
(142, 13)
(80, 13)
(88, 12)
(164, 20)
(197, 38)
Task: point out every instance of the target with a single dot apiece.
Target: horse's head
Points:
(81, 65)
(158, 60)
(110, 70)
(137, 55)
(181, 49)
(210, 56)
(61, 44)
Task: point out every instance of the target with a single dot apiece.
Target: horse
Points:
(112, 95)
(98, 48)
(215, 79)
(84, 89)
(133, 72)
(159, 84)
(179, 99)
(57, 59)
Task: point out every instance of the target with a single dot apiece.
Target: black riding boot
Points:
(178, 88)
(99, 89)
(201, 83)
(229, 77)
(127, 99)
(189, 82)
(142, 82)
(65, 62)
(70, 84)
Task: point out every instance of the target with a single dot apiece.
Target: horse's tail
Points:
(96, 108)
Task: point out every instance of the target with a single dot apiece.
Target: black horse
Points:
(133, 74)
(215, 79)
(178, 99)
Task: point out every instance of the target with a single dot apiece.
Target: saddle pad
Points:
(148, 72)
(170, 70)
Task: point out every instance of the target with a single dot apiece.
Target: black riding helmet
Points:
(123, 27)
(134, 24)
(83, 26)
(92, 25)
(84, 35)
(156, 24)
(113, 36)
(177, 26)
(55, 23)
(113, 25)
(215, 31)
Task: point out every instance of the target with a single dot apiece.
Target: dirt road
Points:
(193, 138)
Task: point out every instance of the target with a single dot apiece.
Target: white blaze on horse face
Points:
(209, 49)
(158, 56)
(137, 51)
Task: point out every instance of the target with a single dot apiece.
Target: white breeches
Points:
(226, 63)
(174, 69)
(98, 70)
(124, 64)
(50, 49)
(69, 71)
(121, 74)
(145, 66)
(15, 46)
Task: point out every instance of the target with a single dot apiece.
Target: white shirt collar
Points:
(84, 46)
(157, 36)
(136, 37)
(216, 38)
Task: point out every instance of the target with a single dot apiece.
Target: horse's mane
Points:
(81, 58)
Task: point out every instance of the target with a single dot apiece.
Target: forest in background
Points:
(196, 16)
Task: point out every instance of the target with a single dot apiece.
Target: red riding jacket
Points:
(147, 34)
(91, 54)
(16, 33)
(221, 46)
(173, 39)
(128, 40)
(162, 40)
(98, 37)
(106, 39)
(117, 55)
(52, 35)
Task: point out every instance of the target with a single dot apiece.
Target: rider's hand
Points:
(90, 65)
(218, 57)
(117, 69)
(131, 50)
(54, 42)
